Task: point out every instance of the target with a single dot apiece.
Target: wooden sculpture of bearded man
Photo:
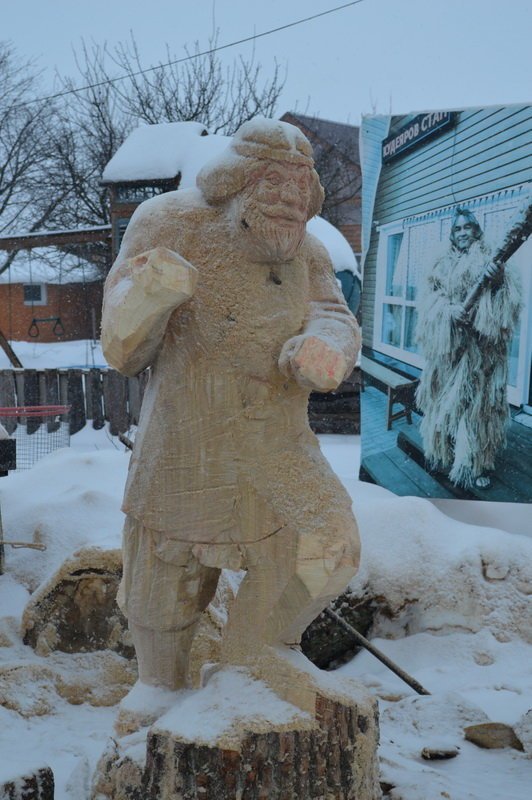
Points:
(220, 290)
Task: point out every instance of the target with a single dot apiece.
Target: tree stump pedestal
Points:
(37, 784)
(236, 739)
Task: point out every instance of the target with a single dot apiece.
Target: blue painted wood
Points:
(512, 144)
(488, 150)
(374, 129)
(469, 130)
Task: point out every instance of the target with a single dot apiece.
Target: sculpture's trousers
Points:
(290, 578)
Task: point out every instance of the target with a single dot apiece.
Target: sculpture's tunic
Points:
(462, 392)
(223, 451)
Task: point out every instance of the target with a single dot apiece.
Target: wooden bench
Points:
(399, 389)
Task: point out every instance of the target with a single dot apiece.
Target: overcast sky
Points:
(378, 55)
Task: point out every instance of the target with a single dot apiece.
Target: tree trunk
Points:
(333, 759)
(37, 785)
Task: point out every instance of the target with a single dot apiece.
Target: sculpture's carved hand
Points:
(162, 272)
(313, 362)
(139, 300)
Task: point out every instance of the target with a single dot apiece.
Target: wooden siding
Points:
(367, 304)
(487, 150)
(77, 304)
(373, 130)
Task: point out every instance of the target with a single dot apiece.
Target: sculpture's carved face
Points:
(272, 210)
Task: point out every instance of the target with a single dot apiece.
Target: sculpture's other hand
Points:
(313, 362)
(162, 272)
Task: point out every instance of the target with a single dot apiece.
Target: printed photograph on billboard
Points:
(446, 303)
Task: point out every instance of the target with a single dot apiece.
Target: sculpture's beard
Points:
(269, 233)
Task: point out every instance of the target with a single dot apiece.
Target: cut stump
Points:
(35, 785)
(76, 611)
(331, 755)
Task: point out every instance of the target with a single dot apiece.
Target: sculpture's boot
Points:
(163, 658)
(291, 578)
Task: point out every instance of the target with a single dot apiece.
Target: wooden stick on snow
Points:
(415, 685)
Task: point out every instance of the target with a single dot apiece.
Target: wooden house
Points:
(479, 158)
(42, 302)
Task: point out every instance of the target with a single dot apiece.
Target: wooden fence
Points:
(98, 395)
(103, 395)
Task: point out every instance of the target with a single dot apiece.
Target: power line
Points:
(189, 57)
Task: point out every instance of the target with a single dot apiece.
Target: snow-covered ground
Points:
(40, 355)
(465, 636)
(459, 593)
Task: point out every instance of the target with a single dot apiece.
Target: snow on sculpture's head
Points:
(267, 177)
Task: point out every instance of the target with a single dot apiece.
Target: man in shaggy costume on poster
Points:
(462, 392)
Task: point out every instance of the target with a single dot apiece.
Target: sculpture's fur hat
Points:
(255, 143)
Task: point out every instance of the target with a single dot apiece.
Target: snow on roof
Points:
(198, 153)
(40, 269)
(336, 245)
(153, 152)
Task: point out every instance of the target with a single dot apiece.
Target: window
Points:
(403, 255)
(34, 294)
(409, 341)
(136, 194)
(394, 278)
(392, 322)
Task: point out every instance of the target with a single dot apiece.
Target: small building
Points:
(155, 159)
(43, 302)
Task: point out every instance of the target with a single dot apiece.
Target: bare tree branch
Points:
(52, 156)
(30, 189)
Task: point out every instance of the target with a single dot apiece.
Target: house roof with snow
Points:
(339, 249)
(39, 267)
(157, 152)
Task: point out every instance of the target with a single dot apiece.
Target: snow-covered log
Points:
(236, 738)
(37, 784)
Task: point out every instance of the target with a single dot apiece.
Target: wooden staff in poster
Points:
(519, 232)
